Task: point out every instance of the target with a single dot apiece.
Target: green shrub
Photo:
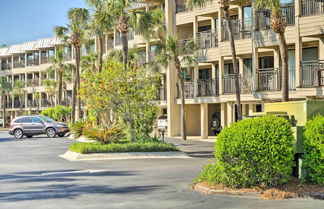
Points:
(58, 113)
(255, 152)
(105, 135)
(78, 128)
(314, 149)
(210, 174)
(87, 148)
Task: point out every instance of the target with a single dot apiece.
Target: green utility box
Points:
(297, 112)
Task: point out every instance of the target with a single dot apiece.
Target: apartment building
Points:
(209, 86)
(29, 63)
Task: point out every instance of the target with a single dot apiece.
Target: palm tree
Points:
(59, 67)
(278, 25)
(225, 5)
(125, 18)
(74, 33)
(5, 90)
(19, 91)
(88, 62)
(100, 23)
(50, 89)
(169, 51)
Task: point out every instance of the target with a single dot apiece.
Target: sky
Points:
(29, 20)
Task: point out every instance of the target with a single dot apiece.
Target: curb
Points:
(82, 139)
(206, 190)
(74, 156)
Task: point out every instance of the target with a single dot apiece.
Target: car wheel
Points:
(61, 135)
(50, 132)
(29, 136)
(18, 133)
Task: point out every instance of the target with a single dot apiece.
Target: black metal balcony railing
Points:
(209, 87)
(32, 103)
(263, 16)
(32, 82)
(45, 103)
(162, 93)
(8, 104)
(44, 60)
(33, 62)
(241, 29)
(17, 104)
(5, 66)
(189, 90)
(313, 73)
(269, 79)
(312, 7)
(207, 39)
(245, 82)
(182, 46)
(19, 64)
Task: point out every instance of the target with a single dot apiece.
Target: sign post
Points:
(162, 126)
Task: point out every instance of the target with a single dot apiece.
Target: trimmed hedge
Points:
(253, 152)
(88, 148)
(314, 149)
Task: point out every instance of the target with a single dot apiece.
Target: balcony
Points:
(245, 82)
(207, 39)
(162, 93)
(18, 63)
(68, 57)
(209, 87)
(189, 90)
(45, 103)
(32, 103)
(32, 82)
(5, 66)
(8, 104)
(17, 104)
(269, 79)
(182, 46)
(44, 60)
(181, 6)
(241, 29)
(110, 44)
(312, 7)
(313, 73)
(32, 62)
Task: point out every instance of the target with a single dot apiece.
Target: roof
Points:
(31, 46)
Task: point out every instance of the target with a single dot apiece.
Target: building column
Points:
(230, 113)
(195, 27)
(220, 25)
(195, 79)
(240, 16)
(252, 109)
(241, 65)
(321, 49)
(276, 58)
(173, 108)
(214, 71)
(223, 115)
(298, 46)
(204, 121)
(255, 67)
(245, 109)
(213, 24)
(220, 75)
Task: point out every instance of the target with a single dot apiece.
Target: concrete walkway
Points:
(194, 147)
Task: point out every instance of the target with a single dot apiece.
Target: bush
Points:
(254, 152)
(314, 149)
(58, 113)
(78, 128)
(88, 148)
(105, 135)
(210, 174)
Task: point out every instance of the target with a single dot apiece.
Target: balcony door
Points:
(292, 69)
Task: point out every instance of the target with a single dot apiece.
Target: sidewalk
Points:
(194, 147)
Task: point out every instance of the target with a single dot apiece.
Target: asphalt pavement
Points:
(32, 176)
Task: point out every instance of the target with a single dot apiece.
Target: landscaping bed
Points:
(89, 148)
(291, 189)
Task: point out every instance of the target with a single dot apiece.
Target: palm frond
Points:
(196, 3)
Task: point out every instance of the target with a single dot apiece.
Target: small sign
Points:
(162, 123)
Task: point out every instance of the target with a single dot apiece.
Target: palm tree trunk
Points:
(52, 101)
(60, 87)
(183, 106)
(235, 67)
(4, 111)
(101, 51)
(284, 59)
(20, 105)
(78, 81)
(74, 88)
(124, 39)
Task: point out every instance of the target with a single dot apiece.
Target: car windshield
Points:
(47, 119)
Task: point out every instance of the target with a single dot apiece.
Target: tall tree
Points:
(20, 92)
(278, 25)
(100, 24)
(225, 6)
(59, 67)
(74, 33)
(125, 17)
(50, 89)
(169, 51)
(5, 90)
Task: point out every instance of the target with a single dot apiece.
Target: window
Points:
(204, 28)
(47, 119)
(247, 66)
(266, 62)
(204, 74)
(36, 120)
(17, 120)
(26, 120)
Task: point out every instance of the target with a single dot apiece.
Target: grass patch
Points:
(88, 148)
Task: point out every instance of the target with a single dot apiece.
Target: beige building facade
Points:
(209, 85)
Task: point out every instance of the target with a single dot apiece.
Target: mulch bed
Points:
(292, 189)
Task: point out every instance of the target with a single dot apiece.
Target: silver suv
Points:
(35, 125)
